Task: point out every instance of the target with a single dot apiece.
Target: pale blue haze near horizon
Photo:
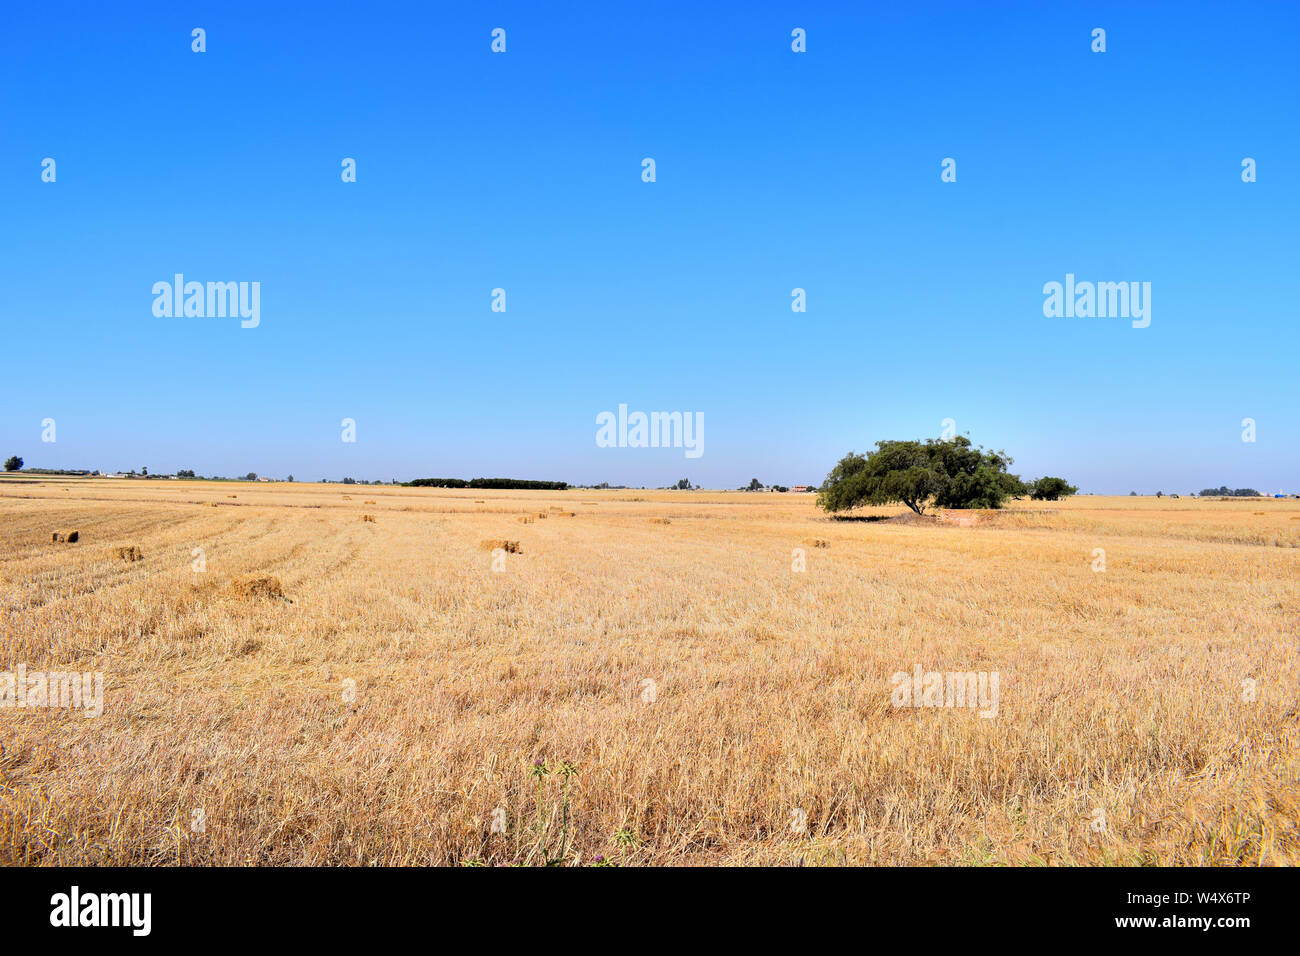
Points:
(775, 170)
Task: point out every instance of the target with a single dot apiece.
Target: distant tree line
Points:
(59, 471)
(518, 484)
(1226, 492)
(756, 485)
(436, 483)
(510, 484)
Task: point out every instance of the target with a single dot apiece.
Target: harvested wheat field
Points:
(705, 677)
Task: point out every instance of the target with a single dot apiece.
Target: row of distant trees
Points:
(684, 484)
(756, 485)
(1221, 492)
(15, 463)
(943, 473)
(512, 484)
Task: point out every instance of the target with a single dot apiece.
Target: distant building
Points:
(802, 488)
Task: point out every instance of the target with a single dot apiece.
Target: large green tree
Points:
(943, 473)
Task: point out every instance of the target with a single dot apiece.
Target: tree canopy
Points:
(1051, 489)
(945, 473)
(1223, 491)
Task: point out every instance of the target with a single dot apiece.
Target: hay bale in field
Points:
(817, 542)
(491, 544)
(526, 519)
(129, 552)
(347, 497)
(232, 496)
(370, 518)
(479, 501)
(367, 502)
(56, 536)
(660, 521)
(74, 537)
(542, 514)
(257, 585)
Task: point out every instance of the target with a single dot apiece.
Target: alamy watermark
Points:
(952, 689)
(215, 300)
(655, 430)
(1102, 300)
(130, 910)
(68, 690)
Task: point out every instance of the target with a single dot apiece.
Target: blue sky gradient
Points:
(775, 170)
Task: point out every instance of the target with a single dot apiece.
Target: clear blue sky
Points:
(775, 170)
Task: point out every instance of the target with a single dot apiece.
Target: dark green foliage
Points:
(437, 483)
(518, 484)
(513, 484)
(1051, 489)
(1222, 491)
(13, 463)
(945, 473)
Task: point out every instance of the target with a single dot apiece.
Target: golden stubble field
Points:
(715, 705)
